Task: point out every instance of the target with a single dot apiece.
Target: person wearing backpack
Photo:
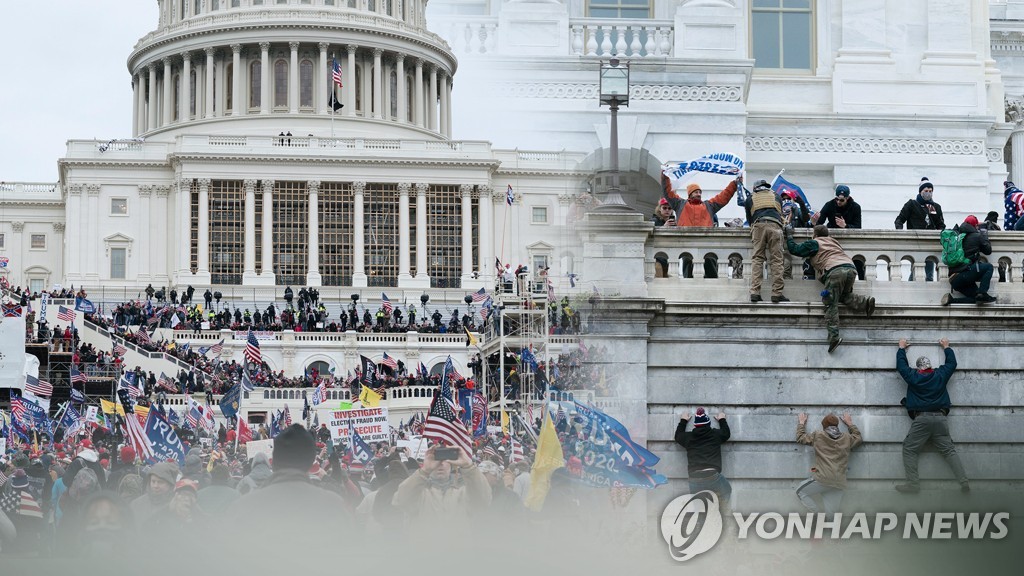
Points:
(922, 213)
(968, 275)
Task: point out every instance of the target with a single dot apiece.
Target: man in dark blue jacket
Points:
(928, 404)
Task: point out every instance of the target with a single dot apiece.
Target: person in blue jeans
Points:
(973, 278)
(703, 447)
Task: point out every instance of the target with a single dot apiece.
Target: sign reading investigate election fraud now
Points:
(370, 423)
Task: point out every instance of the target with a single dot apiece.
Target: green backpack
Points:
(953, 248)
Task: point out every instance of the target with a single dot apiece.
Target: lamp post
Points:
(614, 88)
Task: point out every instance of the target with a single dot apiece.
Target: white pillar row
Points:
(486, 263)
(94, 229)
(208, 108)
(403, 232)
(151, 121)
(236, 81)
(268, 230)
(1017, 156)
(203, 257)
(168, 101)
(358, 239)
(467, 232)
(325, 84)
(72, 250)
(136, 90)
(417, 109)
(293, 79)
(313, 277)
(264, 77)
(421, 233)
(185, 96)
(401, 96)
(350, 80)
(161, 217)
(249, 261)
(432, 100)
(378, 85)
(145, 249)
(444, 105)
(446, 97)
(183, 219)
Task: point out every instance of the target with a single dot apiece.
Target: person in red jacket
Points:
(696, 212)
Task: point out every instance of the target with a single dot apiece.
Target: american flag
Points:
(37, 386)
(136, 431)
(386, 303)
(77, 377)
(21, 503)
(65, 314)
(3, 478)
(165, 382)
(517, 452)
(319, 394)
(18, 409)
(509, 196)
(485, 308)
(336, 75)
(560, 416)
(490, 452)
(119, 350)
(142, 336)
(129, 387)
(450, 372)
(217, 348)
(480, 295)
(442, 423)
(389, 362)
(252, 349)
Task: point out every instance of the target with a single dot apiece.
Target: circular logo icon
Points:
(691, 524)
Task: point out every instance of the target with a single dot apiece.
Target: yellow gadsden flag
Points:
(549, 458)
(471, 340)
(369, 398)
(109, 407)
(504, 423)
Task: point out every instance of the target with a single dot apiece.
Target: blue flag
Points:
(173, 417)
(230, 402)
(782, 185)
(77, 397)
(275, 424)
(361, 451)
(165, 442)
(83, 305)
(629, 452)
(71, 420)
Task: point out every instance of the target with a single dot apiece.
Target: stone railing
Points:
(199, 143)
(890, 261)
(22, 189)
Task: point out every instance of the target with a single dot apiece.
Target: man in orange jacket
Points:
(693, 212)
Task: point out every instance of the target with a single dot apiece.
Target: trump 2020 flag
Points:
(163, 440)
(360, 449)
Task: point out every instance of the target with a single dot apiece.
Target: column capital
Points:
(268, 186)
(75, 189)
(400, 58)
(358, 186)
(186, 57)
(152, 67)
(497, 197)
(377, 52)
(323, 46)
(93, 189)
(313, 186)
(565, 199)
(204, 183)
(58, 227)
(210, 51)
(236, 48)
(166, 60)
(421, 188)
(403, 188)
(294, 46)
(145, 190)
(419, 62)
(184, 185)
(264, 46)
(466, 189)
(485, 189)
(351, 48)
(249, 185)
(162, 191)
(18, 225)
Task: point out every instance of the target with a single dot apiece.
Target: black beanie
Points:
(924, 184)
(294, 448)
(992, 216)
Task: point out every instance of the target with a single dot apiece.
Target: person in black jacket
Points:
(840, 212)
(922, 213)
(928, 404)
(704, 453)
(973, 278)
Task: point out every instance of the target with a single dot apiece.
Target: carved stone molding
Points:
(18, 225)
(403, 188)
(313, 186)
(585, 91)
(421, 188)
(145, 190)
(249, 185)
(1014, 110)
(268, 186)
(184, 186)
(994, 154)
(204, 183)
(58, 227)
(358, 187)
(864, 145)
(466, 189)
(93, 189)
(162, 191)
(565, 199)
(76, 189)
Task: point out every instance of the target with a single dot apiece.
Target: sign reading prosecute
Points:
(370, 423)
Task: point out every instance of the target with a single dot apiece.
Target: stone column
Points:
(73, 250)
(237, 103)
(421, 233)
(265, 104)
(168, 99)
(293, 79)
(486, 234)
(446, 99)
(320, 87)
(151, 122)
(160, 220)
(417, 109)
(185, 97)
(58, 232)
(183, 218)
(203, 255)
(145, 248)
(378, 86)
(94, 231)
(1017, 156)
(403, 233)
(402, 96)
(467, 232)
(358, 239)
(268, 231)
(249, 264)
(444, 106)
(208, 112)
(136, 90)
(313, 277)
(350, 79)
(432, 100)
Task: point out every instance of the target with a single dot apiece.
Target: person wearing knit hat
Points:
(692, 211)
(973, 277)
(927, 403)
(841, 211)
(922, 213)
(832, 449)
(704, 453)
(160, 482)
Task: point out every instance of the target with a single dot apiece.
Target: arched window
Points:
(176, 96)
(229, 87)
(359, 88)
(393, 100)
(306, 84)
(281, 84)
(255, 84)
(322, 368)
(192, 93)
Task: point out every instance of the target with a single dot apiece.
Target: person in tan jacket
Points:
(832, 449)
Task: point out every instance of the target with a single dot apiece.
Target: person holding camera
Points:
(973, 277)
(764, 212)
(836, 271)
(448, 485)
(928, 404)
(832, 449)
(703, 447)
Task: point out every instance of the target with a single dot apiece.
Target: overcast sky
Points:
(63, 76)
